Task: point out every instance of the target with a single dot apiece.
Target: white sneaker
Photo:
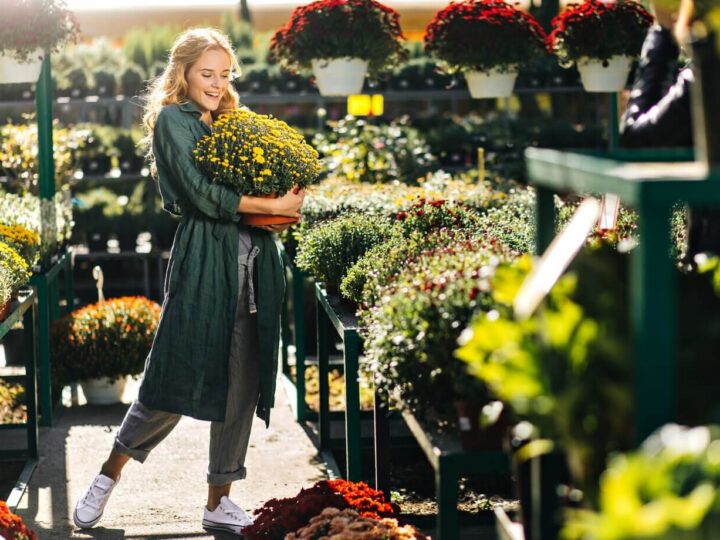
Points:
(89, 509)
(228, 516)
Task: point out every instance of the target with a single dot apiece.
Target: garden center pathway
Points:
(163, 498)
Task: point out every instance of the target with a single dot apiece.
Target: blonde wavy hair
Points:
(171, 87)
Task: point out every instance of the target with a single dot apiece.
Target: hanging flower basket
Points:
(30, 27)
(340, 40)
(103, 391)
(340, 76)
(602, 39)
(490, 84)
(488, 40)
(604, 75)
(12, 71)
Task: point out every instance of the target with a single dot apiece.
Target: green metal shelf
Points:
(25, 309)
(651, 183)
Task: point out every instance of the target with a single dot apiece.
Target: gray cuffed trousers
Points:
(143, 429)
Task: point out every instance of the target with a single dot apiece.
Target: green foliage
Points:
(511, 222)
(416, 322)
(132, 80)
(565, 369)
(330, 249)
(670, 488)
(144, 48)
(424, 226)
(366, 152)
(107, 339)
(14, 269)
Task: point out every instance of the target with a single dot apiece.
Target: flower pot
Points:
(14, 72)
(103, 391)
(5, 310)
(339, 76)
(490, 84)
(604, 76)
(267, 219)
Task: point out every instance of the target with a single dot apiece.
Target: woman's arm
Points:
(173, 144)
(654, 116)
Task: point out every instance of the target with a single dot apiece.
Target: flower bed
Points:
(278, 517)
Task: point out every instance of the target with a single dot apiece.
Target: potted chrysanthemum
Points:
(487, 40)
(340, 40)
(257, 155)
(601, 39)
(101, 344)
(29, 29)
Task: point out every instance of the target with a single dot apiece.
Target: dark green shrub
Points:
(132, 80)
(105, 83)
(331, 248)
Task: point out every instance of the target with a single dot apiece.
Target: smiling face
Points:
(208, 79)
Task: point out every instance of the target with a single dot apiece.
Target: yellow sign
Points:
(365, 105)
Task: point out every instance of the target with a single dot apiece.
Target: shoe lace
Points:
(94, 495)
(235, 512)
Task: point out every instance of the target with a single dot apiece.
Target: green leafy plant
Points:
(483, 35)
(29, 25)
(598, 30)
(332, 247)
(670, 488)
(328, 29)
(565, 369)
(425, 225)
(416, 322)
(107, 339)
(365, 152)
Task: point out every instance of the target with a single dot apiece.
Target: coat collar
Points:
(189, 106)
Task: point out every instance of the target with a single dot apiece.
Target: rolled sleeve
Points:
(173, 145)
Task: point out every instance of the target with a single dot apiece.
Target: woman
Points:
(658, 111)
(214, 356)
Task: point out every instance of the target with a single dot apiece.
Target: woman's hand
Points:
(289, 204)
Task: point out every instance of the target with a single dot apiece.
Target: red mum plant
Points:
(427, 216)
(12, 526)
(333, 29)
(599, 30)
(32, 25)
(483, 35)
(278, 517)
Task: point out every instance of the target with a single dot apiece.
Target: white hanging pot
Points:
(13, 72)
(103, 391)
(339, 76)
(490, 84)
(597, 77)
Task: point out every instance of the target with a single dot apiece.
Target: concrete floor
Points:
(164, 497)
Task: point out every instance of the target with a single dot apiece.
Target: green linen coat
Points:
(186, 371)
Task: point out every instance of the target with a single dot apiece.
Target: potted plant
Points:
(29, 30)
(257, 155)
(101, 344)
(666, 490)
(14, 273)
(340, 40)
(12, 526)
(601, 39)
(487, 40)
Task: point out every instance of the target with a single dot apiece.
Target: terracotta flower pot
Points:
(267, 219)
(4, 310)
